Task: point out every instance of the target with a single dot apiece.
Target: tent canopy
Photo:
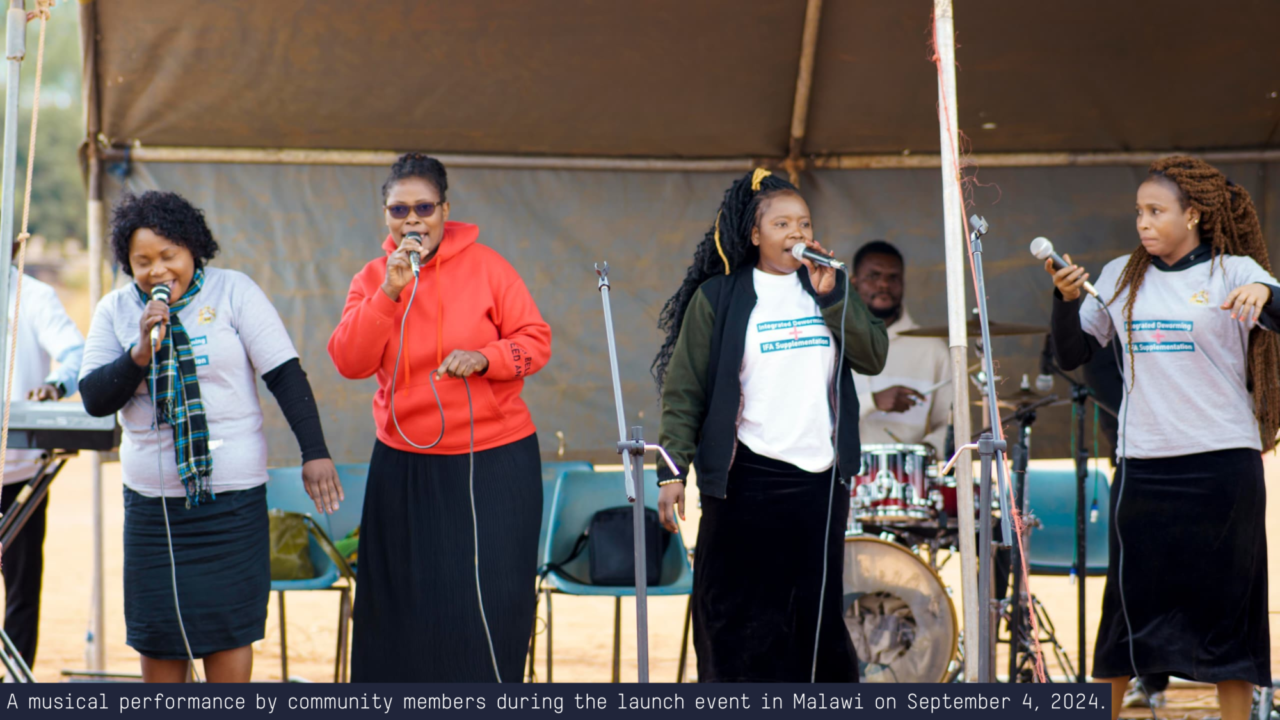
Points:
(510, 85)
(680, 79)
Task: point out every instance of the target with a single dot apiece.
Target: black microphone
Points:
(800, 251)
(414, 258)
(162, 293)
(1044, 381)
(1043, 249)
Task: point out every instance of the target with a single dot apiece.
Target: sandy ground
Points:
(583, 630)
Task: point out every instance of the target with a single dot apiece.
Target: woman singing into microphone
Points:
(448, 539)
(1194, 306)
(748, 375)
(196, 444)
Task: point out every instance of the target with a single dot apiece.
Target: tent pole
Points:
(96, 642)
(952, 211)
(804, 82)
(96, 637)
(15, 51)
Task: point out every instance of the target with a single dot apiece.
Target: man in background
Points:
(45, 333)
(910, 402)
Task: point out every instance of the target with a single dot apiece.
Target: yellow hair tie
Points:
(757, 176)
(718, 248)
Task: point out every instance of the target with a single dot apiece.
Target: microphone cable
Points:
(164, 506)
(835, 466)
(471, 462)
(1115, 517)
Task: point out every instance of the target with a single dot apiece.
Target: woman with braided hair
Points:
(751, 397)
(1195, 307)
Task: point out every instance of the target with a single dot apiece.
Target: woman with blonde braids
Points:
(751, 397)
(1195, 306)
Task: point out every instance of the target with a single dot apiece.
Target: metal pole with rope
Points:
(15, 52)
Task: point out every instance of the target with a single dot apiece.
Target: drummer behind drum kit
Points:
(898, 611)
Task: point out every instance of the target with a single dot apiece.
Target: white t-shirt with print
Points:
(236, 335)
(786, 375)
(1189, 357)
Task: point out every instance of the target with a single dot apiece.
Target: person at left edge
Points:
(45, 333)
(217, 334)
(472, 335)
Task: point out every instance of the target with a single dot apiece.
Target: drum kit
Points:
(902, 527)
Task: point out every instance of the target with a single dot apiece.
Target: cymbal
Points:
(997, 329)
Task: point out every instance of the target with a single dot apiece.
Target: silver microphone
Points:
(162, 293)
(800, 251)
(414, 258)
(1043, 249)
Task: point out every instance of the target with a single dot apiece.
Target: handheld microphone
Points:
(1043, 249)
(1044, 381)
(162, 293)
(800, 251)
(414, 258)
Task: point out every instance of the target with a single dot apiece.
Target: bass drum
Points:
(898, 613)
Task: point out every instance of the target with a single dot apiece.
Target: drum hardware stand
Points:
(992, 451)
(1017, 633)
(632, 448)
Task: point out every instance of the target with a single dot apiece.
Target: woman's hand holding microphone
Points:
(459, 363)
(1069, 280)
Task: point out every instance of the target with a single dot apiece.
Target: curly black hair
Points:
(737, 217)
(166, 214)
(418, 165)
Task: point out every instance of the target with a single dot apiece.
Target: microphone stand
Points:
(992, 451)
(1080, 394)
(632, 448)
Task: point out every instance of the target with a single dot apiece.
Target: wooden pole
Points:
(96, 643)
(804, 83)
(957, 315)
(381, 158)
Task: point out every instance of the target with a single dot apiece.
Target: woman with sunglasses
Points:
(450, 331)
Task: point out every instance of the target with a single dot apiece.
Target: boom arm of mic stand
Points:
(602, 270)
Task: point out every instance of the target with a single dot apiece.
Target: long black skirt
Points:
(758, 577)
(222, 554)
(417, 614)
(1194, 573)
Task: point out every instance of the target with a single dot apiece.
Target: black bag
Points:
(611, 549)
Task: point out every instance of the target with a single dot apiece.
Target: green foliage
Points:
(57, 187)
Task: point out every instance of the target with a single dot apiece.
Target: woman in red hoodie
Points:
(451, 346)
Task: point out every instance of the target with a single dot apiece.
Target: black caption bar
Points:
(311, 701)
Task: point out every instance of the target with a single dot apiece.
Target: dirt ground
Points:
(583, 630)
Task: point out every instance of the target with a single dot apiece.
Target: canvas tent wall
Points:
(667, 101)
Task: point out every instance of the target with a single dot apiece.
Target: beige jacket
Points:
(915, 362)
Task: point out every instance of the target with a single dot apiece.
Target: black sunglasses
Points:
(422, 210)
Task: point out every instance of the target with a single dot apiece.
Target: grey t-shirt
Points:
(236, 335)
(1189, 357)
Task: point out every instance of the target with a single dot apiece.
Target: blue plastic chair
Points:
(1052, 496)
(551, 472)
(285, 491)
(578, 497)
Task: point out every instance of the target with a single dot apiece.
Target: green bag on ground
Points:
(290, 547)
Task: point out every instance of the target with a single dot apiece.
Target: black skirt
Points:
(417, 614)
(758, 576)
(221, 550)
(1194, 574)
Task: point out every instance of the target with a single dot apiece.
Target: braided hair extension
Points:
(1229, 222)
(726, 246)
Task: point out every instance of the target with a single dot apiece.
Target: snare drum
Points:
(892, 485)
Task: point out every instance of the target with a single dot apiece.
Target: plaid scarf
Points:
(177, 394)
